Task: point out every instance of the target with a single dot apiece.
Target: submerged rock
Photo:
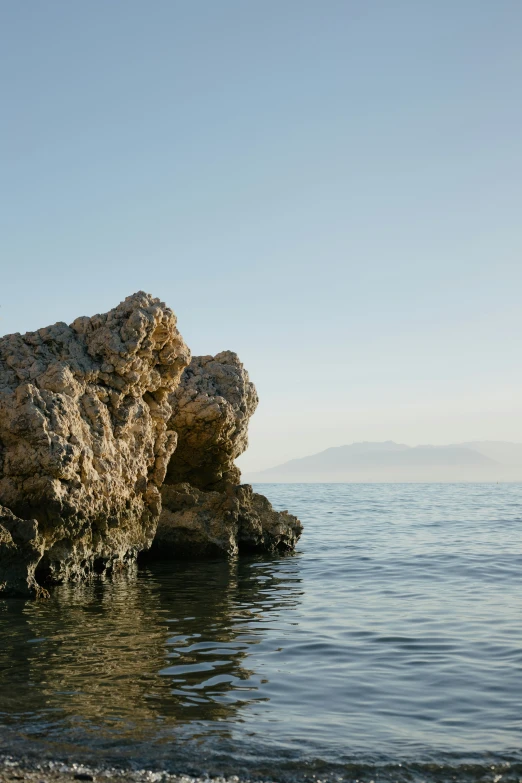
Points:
(205, 509)
(84, 444)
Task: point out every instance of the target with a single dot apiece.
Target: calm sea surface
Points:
(389, 647)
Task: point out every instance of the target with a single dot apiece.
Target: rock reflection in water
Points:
(137, 656)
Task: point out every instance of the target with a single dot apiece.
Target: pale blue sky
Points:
(332, 189)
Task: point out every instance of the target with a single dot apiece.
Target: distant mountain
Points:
(395, 462)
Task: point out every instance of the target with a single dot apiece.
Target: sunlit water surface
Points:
(388, 647)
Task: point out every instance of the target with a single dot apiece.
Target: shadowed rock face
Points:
(84, 443)
(21, 549)
(201, 524)
(205, 510)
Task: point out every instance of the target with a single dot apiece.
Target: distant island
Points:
(396, 462)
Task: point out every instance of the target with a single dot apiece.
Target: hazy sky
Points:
(333, 189)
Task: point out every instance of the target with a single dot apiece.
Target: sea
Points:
(387, 648)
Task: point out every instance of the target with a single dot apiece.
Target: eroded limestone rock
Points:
(205, 510)
(84, 442)
(262, 528)
(21, 549)
(198, 523)
(90, 415)
(211, 409)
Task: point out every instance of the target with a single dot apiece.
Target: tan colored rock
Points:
(205, 510)
(194, 523)
(211, 409)
(198, 523)
(90, 415)
(84, 442)
(262, 528)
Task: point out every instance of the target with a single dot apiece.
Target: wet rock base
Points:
(195, 523)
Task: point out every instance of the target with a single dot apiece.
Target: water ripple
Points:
(393, 637)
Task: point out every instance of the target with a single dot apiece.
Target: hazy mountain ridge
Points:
(396, 462)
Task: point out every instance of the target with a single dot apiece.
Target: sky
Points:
(332, 189)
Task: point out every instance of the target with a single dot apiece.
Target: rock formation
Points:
(94, 417)
(205, 510)
(84, 444)
(21, 549)
(211, 409)
(202, 524)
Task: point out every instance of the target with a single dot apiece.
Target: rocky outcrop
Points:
(84, 443)
(101, 420)
(236, 520)
(211, 409)
(205, 509)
